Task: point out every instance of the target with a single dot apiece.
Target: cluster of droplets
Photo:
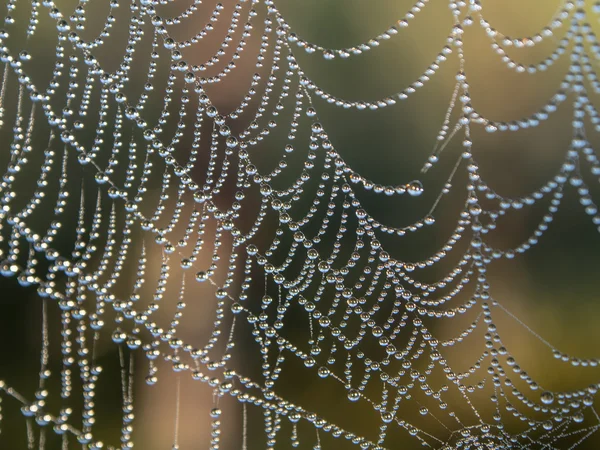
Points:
(342, 297)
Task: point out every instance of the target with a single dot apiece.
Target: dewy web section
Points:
(126, 187)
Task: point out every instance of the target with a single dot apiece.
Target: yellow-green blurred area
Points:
(552, 288)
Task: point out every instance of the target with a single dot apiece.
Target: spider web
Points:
(156, 191)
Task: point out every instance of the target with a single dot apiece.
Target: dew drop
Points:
(353, 395)
(547, 398)
(323, 372)
(201, 276)
(414, 188)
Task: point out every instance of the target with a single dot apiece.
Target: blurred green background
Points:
(553, 288)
